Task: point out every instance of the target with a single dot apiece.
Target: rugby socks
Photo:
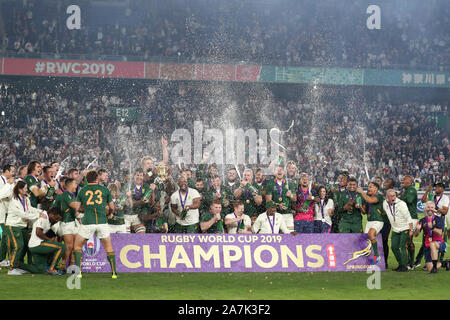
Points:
(375, 247)
(112, 261)
(434, 264)
(77, 255)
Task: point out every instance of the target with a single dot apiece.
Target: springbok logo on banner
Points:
(92, 247)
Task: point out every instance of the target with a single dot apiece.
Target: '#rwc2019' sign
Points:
(233, 253)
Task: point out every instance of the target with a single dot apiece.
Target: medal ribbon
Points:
(280, 189)
(272, 224)
(181, 199)
(239, 223)
(351, 197)
(436, 203)
(24, 203)
(392, 211)
(138, 192)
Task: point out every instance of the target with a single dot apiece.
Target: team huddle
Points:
(48, 216)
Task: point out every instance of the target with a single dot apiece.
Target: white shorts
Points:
(289, 220)
(117, 228)
(88, 230)
(68, 228)
(131, 220)
(377, 225)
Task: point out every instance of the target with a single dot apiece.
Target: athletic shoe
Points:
(376, 259)
(80, 276)
(416, 265)
(23, 271)
(424, 268)
(448, 265)
(409, 267)
(434, 270)
(4, 263)
(114, 276)
(396, 269)
(52, 272)
(402, 269)
(15, 272)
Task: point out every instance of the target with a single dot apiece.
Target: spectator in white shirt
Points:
(270, 221)
(402, 227)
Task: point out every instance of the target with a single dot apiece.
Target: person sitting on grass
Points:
(44, 248)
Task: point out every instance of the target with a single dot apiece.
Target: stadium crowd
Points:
(234, 31)
(315, 186)
(325, 137)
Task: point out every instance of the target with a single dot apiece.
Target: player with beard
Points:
(103, 177)
(249, 194)
(49, 183)
(185, 203)
(220, 192)
(147, 164)
(232, 180)
(291, 174)
(35, 188)
(136, 193)
(335, 194)
(409, 196)
(74, 174)
(283, 195)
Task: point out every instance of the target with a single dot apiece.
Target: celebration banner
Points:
(73, 68)
(232, 253)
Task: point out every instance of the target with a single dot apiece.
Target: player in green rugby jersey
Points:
(66, 202)
(117, 222)
(291, 174)
(139, 205)
(36, 190)
(94, 199)
(212, 221)
(373, 206)
(218, 191)
(351, 221)
(409, 195)
(283, 195)
(249, 194)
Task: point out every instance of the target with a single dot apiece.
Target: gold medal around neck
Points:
(280, 199)
(248, 201)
